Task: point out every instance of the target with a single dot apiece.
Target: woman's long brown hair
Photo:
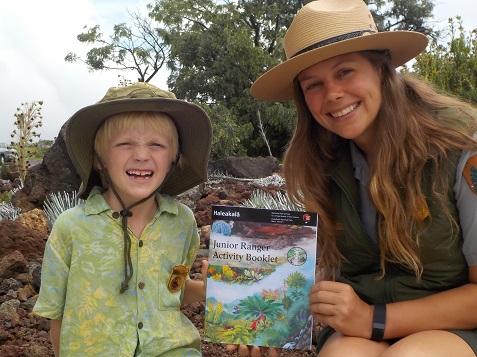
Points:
(409, 134)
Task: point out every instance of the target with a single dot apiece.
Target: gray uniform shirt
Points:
(466, 203)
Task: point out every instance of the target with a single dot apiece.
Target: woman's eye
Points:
(344, 72)
(312, 85)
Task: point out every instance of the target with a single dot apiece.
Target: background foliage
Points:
(214, 50)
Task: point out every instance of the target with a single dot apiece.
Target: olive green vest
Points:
(441, 249)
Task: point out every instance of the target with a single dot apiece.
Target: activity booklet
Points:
(261, 268)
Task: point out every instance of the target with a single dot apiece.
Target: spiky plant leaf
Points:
(9, 212)
(58, 202)
(279, 201)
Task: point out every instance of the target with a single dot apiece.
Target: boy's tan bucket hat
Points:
(326, 28)
(192, 123)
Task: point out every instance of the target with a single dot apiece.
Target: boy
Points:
(115, 269)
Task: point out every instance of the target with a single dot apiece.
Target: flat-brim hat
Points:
(327, 28)
(192, 123)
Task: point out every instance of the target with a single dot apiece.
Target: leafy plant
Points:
(452, 67)
(58, 202)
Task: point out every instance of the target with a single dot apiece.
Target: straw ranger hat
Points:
(192, 123)
(326, 28)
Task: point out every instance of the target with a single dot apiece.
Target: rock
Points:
(10, 308)
(26, 292)
(10, 351)
(24, 278)
(29, 304)
(9, 284)
(35, 271)
(245, 167)
(5, 185)
(190, 197)
(55, 173)
(12, 265)
(35, 219)
(14, 236)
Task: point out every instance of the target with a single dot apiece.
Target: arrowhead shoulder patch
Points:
(470, 173)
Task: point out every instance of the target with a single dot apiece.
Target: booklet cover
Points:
(261, 268)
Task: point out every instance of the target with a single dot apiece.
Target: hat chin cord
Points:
(125, 213)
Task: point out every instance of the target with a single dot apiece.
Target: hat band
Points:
(331, 40)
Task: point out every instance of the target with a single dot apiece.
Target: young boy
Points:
(115, 268)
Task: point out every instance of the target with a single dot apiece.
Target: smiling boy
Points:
(115, 268)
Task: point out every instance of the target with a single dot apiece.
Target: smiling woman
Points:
(388, 164)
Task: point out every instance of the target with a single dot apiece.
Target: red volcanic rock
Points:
(14, 236)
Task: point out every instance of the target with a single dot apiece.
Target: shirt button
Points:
(116, 215)
(140, 325)
(141, 285)
(141, 243)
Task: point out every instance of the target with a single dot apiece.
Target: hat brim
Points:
(277, 83)
(193, 127)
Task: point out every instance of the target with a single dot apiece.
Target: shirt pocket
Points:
(170, 287)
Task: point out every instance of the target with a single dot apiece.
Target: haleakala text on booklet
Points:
(261, 268)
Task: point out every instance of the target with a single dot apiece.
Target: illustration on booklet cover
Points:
(261, 268)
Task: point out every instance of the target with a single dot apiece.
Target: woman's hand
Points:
(253, 351)
(337, 305)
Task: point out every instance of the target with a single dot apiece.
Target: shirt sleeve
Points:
(54, 272)
(466, 197)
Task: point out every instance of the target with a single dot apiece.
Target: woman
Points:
(390, 166)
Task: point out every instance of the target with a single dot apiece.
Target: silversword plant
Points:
(27, 121)
(279, 201)
(9, 211)
(58, 202)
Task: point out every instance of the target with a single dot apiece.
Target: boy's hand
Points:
(203, 270)
(195, 289)
(254, 351)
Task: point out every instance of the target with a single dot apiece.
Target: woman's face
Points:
(343, 94)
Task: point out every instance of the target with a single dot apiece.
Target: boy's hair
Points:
(158, 121)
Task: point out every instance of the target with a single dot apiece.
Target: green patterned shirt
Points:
(83, 267)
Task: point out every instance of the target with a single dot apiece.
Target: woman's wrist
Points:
(379, 322)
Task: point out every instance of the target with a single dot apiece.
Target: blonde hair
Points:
(408, 136)
(158, 121)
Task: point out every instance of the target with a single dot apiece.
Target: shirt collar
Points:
(360, 165)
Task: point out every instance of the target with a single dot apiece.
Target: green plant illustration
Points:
(259, 310)
(296, 280)
(239, 334)
(237, 275)
(214, 313)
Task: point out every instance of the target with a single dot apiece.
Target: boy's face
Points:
(137, 161)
